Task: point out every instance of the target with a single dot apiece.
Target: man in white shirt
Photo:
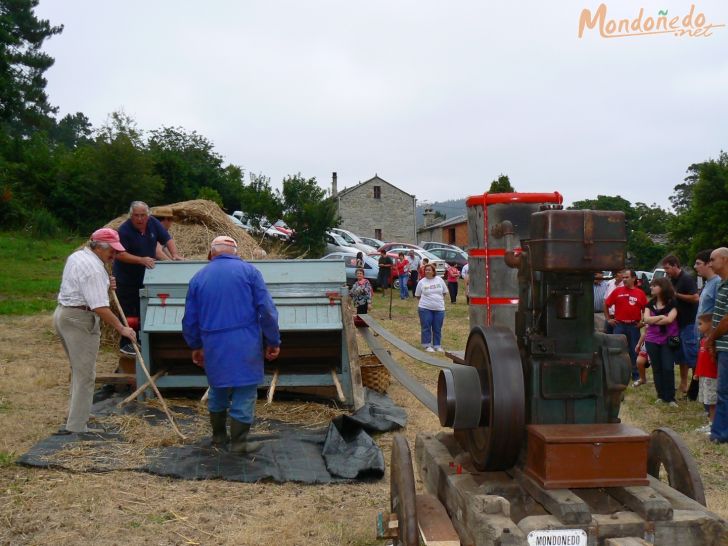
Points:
(82, 300)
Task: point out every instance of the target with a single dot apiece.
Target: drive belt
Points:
(418, 390)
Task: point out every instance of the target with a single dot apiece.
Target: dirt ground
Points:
(62, 507)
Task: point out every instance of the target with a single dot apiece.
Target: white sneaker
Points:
(430, 350)
(705, 429)
(673, 404)
(439, 349)
(659, 401)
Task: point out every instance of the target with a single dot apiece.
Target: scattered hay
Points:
(309, 415)
(144, 431)
(98, 455)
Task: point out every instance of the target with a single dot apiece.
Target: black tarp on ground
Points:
(288, 452)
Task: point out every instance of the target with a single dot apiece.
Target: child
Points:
(643, 362)
(707, 370)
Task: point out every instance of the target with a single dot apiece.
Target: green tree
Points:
(72, 130)
(98, 181)
(309, 212)
(187, 161)
(24, 104)
(259, 200)
(701, 203)
(502, 184)
(209, 194)
(652, 218)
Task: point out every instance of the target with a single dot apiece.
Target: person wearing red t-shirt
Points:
(403, 272)
(629, 303)
(706, 371)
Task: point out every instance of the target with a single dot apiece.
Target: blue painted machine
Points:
(312, 319)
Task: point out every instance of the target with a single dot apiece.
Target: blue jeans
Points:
(719, 429)
(403, 293)
(662, 360)
(632, 333)
(431, 326)
(239, 400)
(688, 351)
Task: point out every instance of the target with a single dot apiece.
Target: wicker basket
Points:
(373, 373)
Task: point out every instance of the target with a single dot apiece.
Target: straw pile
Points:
(197, 223)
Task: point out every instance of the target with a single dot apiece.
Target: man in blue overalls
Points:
(231, 323)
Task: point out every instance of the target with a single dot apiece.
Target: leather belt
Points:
(628, 322)
(84, 307)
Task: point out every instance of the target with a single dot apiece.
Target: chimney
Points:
(334, 188)
(429, 217)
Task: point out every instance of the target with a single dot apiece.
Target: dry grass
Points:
(62, 507)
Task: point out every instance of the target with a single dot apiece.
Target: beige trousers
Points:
(80, 334)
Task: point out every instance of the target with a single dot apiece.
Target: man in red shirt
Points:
(629, 304)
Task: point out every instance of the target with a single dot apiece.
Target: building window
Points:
(378, 233)
(451, 235)
(377, 192)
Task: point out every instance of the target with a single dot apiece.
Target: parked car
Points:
(389, 246)
(353, 240)
(246, 227)
(376, 243)
(281, 226)
(458, 258)
(265, 229)
(647, 274)
(334, 243)
(371, 266)
(429, 245)
(657, 273)
(440, 265)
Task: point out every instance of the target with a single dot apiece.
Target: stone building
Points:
(376, 208)
(453, 231)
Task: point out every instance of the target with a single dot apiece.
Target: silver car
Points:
(334, 243)
(371, 266)
(376, 243)
(354, 240)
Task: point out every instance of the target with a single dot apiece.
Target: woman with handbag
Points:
(660, 337)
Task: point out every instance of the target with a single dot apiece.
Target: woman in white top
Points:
(431, 292)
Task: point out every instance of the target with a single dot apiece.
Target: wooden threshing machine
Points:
(538, 454)
(316, 329)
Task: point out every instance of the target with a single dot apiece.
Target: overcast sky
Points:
(437, 97)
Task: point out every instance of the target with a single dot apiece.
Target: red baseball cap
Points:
(110, 236)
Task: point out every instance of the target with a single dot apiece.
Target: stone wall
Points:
(393, 212)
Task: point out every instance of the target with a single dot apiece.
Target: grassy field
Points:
(30, 272)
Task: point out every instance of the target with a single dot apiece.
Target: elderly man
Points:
(82, 300)
(139, 235)
(687, 298)
(717, 342)
(231, 324)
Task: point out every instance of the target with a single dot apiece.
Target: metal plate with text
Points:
(557, 537)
